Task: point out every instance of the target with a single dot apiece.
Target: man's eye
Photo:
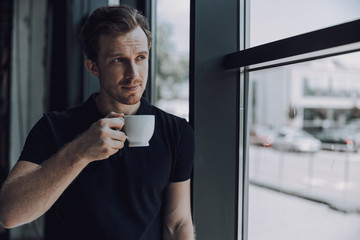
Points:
(119, 60)
(140, 58)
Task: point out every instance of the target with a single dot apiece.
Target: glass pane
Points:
(304, 160)
(277, 19)
(172, 56)
(113, 2)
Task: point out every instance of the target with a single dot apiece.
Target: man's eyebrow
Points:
(115, 55)
(123, 55)
(143, 53)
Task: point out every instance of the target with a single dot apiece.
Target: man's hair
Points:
(109, 20)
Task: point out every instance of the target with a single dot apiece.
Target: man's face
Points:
(123, 66)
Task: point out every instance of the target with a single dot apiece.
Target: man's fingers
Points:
(115, 115)
(117, 145)
(116, 123)
(115, 120)
(119, 136)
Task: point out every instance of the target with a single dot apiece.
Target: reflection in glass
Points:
(277, 19)
(304, 160)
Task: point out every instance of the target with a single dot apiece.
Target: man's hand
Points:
(102, 139)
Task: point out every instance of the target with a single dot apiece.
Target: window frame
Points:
(326, 42)
(217, 110)
(214, 224)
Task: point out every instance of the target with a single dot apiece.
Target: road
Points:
(303, 196)
(277, 216)
(326, 176)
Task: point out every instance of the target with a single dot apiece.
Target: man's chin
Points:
(130, 100)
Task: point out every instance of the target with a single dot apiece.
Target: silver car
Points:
(292, 139)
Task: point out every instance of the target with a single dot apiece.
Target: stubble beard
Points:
(130, 100)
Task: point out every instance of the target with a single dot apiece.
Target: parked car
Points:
(292, 139)
(261, 135)
(345, 138)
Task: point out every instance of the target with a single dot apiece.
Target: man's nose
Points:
(131, 71)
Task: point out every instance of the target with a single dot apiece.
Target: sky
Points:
(177, 13)
(276, 19)
(270, 20)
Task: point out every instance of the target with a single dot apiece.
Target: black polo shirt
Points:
(120, 197)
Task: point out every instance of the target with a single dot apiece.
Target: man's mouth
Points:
(131, 88)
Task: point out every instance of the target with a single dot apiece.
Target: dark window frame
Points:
(326, 39)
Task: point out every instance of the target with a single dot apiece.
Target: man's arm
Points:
(31, 189)
(178, 220)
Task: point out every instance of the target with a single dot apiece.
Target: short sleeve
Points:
(185, 154)
(39, 144)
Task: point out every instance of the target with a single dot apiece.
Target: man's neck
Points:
(106, 106)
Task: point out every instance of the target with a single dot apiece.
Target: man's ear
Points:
(92, 67)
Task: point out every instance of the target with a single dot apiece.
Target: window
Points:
(172, 56)
(303, 122)
(303, 169)
(263, 77)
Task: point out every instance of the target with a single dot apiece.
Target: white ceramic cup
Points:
(139, 129)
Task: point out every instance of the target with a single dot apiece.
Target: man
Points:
(77, 167)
